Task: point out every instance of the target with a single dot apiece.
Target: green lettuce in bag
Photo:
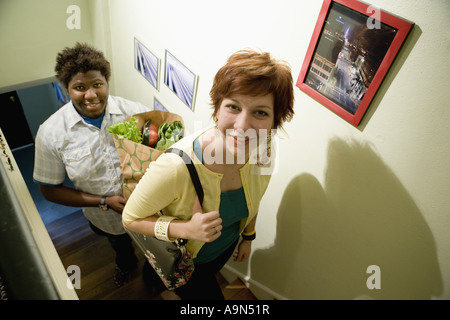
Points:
(168, 134)
(127, 130)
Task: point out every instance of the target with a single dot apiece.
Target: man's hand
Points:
(116, 203)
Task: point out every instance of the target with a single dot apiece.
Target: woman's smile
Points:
(241, 118)
(242, 139)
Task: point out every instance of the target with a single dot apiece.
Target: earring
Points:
(264, 152)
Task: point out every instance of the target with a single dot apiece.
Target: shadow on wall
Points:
(327, 237)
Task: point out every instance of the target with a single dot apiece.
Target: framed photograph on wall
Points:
(146, 63)
(157, 105)
(181, 80)
(351, 50)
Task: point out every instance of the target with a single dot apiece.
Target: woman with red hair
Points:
(252, 96)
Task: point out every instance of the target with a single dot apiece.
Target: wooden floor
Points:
(78, 245)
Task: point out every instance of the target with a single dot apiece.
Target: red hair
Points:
(252, 73)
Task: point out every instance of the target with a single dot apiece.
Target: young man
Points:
(75, 141)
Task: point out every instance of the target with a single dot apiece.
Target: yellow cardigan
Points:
(167, 186)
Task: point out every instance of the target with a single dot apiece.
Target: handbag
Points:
(171, 260)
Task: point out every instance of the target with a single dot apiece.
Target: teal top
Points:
(232, 209)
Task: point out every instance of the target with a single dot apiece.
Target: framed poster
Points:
(181, 80)
(157, 105)
(146, 63)
(351, 49)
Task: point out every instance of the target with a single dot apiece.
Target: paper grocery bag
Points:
(135, 157)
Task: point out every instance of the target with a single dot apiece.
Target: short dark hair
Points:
(81, 58)
(253, 73)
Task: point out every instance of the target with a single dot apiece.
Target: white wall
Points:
(32, 33)
(344, 198)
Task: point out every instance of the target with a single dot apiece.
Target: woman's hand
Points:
(243, 251)
(205, 227)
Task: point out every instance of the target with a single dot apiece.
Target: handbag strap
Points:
(192, 171)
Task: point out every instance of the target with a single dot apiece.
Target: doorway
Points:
(25, 108)
(13, 122)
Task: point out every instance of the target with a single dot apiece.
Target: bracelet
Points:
(162, 228)
(249, 233)
(249, 236)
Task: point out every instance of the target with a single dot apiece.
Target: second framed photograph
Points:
(157, 105)
(146, 63)
(351, 49)
(181, 80)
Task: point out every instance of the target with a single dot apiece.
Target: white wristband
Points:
(162, 228)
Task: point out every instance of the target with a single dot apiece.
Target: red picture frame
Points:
(350, 52)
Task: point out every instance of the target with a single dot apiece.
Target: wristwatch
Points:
(102, 205)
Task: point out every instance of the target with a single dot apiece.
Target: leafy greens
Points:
(127, 130)
(168, 134)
